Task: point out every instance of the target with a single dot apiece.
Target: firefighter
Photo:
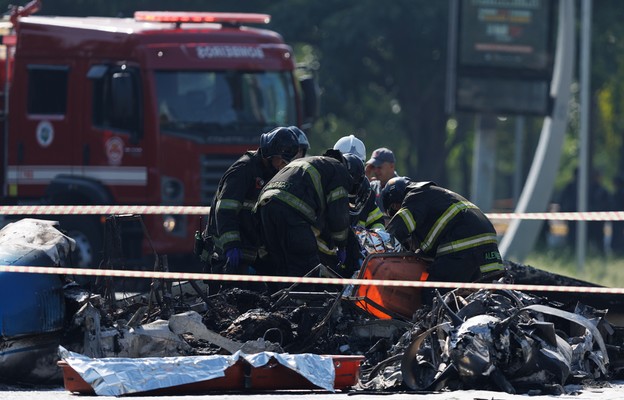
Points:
(366, 214)
(232, 227)
(308, 196)
(442, 226)
(362, 208)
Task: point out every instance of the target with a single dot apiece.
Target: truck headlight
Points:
(169, 223)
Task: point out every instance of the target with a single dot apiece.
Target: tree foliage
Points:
(382, 74)
(608, 86)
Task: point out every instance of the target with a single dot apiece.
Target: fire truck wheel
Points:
(87, 233)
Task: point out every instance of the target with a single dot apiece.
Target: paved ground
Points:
(615, 392)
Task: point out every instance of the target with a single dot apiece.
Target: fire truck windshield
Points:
(224, 106)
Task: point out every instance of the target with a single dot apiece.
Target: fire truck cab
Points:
(149, 110)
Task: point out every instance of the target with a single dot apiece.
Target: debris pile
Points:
(502, 340)
(306, 322)
(496, 340)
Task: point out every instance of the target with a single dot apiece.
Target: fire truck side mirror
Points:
(310, 93)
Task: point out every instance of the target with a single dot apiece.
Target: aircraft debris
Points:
(505, 340)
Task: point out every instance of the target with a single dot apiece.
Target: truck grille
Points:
(213, 166)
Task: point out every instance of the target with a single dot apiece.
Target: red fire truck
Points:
(147, 110)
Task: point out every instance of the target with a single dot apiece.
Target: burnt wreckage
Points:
(504, 340)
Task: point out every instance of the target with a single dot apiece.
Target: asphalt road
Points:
(615, 392)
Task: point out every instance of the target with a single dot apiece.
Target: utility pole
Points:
(581, 231)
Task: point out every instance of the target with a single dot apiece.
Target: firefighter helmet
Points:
(353, 145)
(304, 145)
(281, 142)
(358, 200)
(355, 166)
(394, 192)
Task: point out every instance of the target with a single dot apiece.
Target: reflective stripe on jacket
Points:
(371, 216)
(317, 188)
(231, 221)
(439, 221)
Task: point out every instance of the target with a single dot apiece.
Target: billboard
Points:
(504, 56)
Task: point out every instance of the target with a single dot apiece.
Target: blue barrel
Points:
(32, 306)
(29, 303)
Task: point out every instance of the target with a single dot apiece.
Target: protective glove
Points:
(342, 255)
(233, 256)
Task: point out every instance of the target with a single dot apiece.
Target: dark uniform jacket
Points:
(440, 222)
(371, 216)
(317, 188)
(231, 221)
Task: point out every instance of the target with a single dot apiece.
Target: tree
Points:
(608, 84)
(382, 73)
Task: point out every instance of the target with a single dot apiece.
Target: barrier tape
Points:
(205, 210)
(562, 216)
(185, 276)
(202, 210)
(96, 210)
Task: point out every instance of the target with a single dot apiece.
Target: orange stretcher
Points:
(388, 302)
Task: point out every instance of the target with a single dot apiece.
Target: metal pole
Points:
(484, 162)
(522, 234)
(451, 62)
(5, 125)
(518, 159)
(581, 231)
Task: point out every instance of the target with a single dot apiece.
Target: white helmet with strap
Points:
(353, 145)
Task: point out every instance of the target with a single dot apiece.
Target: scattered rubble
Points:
(504, 341)
(501, 340)
(496, 340)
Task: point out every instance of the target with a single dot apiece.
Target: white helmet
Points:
(353, 145)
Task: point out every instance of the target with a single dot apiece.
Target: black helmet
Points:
(394, 192)
(355, 166)
(304, 145)
(358, 200)
(281, 142)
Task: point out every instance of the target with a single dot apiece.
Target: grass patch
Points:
(606, 270)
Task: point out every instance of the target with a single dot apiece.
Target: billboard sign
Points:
(504, 56)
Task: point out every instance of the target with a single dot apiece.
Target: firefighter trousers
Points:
(463, 266)
(289, 239)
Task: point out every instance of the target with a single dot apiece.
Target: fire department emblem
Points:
(45, 133)
(114, 150)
